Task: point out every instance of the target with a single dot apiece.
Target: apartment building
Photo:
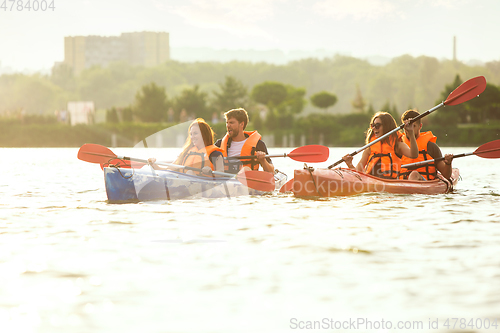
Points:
(136, 48)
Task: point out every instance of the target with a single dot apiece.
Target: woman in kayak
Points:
(198, 151)
(383, 159)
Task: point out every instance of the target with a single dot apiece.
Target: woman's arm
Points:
(348, 160)
(364, 160)
(151, 162)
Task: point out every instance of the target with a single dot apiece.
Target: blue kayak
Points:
(128, 185)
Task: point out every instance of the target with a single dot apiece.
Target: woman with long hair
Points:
(383, 159)
(198, 151)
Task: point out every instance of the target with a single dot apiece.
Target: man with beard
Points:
(238, 142)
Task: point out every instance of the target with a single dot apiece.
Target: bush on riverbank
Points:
(333, 131)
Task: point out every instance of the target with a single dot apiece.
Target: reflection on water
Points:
(70, 261)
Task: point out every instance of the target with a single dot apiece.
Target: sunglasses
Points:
(376, 125)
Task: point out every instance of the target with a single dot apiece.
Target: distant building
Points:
(136, 48)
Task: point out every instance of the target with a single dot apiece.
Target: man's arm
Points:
(265, 162)
(443, 166)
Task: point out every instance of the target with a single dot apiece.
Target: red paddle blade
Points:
(93, 153)
(310, 154)
(288, 187)
(466, 91)
(258, 180)
(489, 150)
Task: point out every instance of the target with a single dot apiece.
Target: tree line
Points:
(405, 81)
(278, 106)
(329, 100)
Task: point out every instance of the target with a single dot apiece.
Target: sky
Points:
(32, 40)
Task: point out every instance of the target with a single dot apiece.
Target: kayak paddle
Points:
(94, 153)
(465, 92)
(487, 150)
(258, 180)
(288, 187)
(310, 154)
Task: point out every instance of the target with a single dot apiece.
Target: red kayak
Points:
(342, 182)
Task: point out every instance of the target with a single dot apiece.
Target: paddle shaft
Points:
(389, 133)
(277, 155)
(178, 166)
(418, 164)
(246, 179)
(126, 158)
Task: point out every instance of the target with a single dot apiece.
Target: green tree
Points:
(486, 107)
(370, 110)
(453, 114)
(323, 100)
(283, 102)
(194, 102)
(395, 113)
(393, 110)
(358, 103)
(272, 122)
(256, 120)
(112, 116)
(151, 103)
(34, 94)
(494, 68)
(62, 75)
(269, 93)
(294, 101)
(128, 114)
(233, 94)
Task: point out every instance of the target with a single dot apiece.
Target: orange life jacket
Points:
(382, 151)
(247, 149)
(428, 171)
(199, 158)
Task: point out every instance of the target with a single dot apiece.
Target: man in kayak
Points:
(427, 150)
(238, 142)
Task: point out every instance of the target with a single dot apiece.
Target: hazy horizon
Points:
(192, 54)
(358, 28)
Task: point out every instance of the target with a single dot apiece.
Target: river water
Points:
(71, 262)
